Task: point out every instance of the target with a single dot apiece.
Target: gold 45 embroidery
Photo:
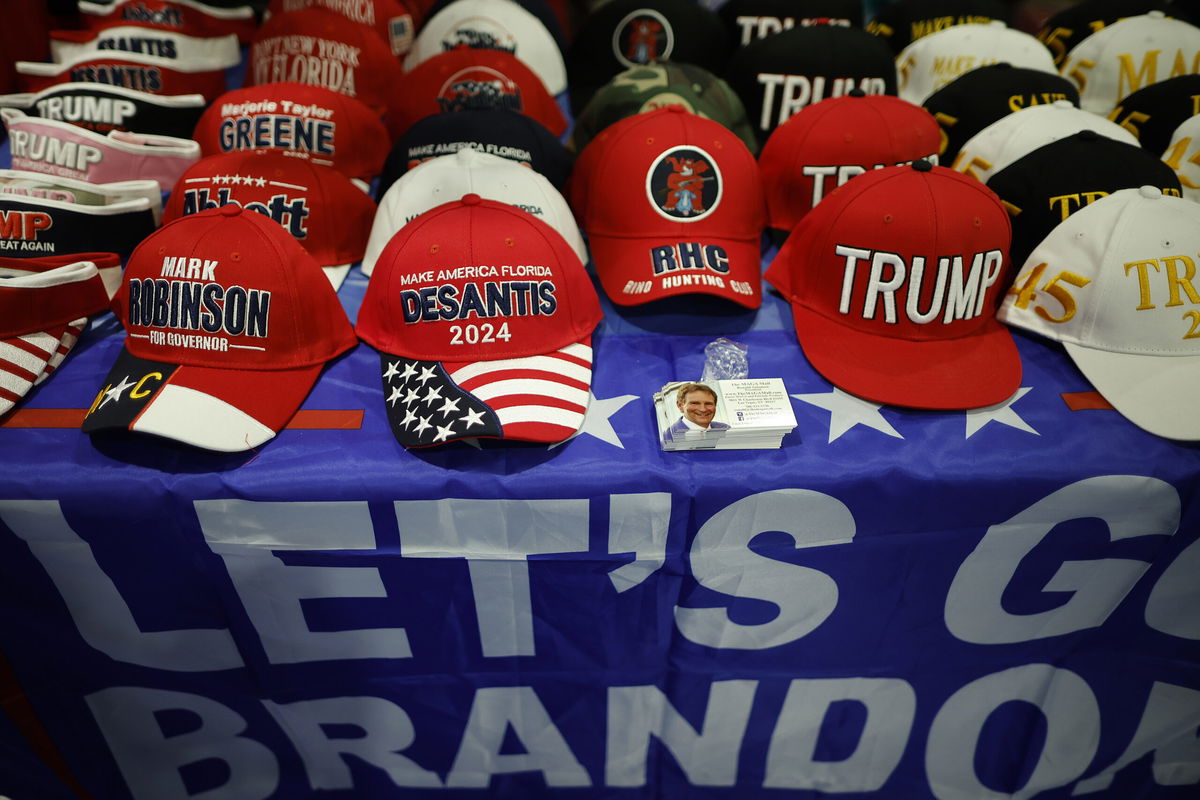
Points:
(1026, 291)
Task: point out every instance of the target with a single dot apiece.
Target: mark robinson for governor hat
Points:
(483, 318)
(894, 281)
(229, 321)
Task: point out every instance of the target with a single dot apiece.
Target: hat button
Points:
(921, 165)
(471, 199)
(1063, 104)
(230, 210)
(1150, 192)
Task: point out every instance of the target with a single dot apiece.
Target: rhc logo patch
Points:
(479, 88)
(643, 36)
(684, 184)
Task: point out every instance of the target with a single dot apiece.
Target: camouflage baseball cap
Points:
(652, 86)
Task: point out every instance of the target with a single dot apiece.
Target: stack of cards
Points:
(745, 414)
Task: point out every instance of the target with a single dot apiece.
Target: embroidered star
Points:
(472, 418)
(391, 371)
(394, 396)
(1002, 413)
(596, 422)
(115, 392)
(443, 433)
(426, 374)
(433, 394)
(412, 396)
(448, 406)
(422, 425)
(410, 369)
(409, 419)
(846, 411)
(260, 182)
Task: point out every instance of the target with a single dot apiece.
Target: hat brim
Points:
(973, 371)
(226, 410)
(626, 270)
(542, 398)
(1156, 393)
(26, 360)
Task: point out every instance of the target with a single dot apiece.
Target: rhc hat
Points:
(672, 204)
(483, 317)
(229, 321)
(894, 281)
(1125, 263)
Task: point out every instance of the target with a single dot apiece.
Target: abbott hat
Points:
(498, 132)
(777, 76)
(658, 85)
(829, 143)
(492, 25)
(328, 127)
(976, 99)
(483, 318)
(469, 171)
(1043, 188)
(44, 306)
(672, 204)
(1010, 137)
(229, 321)
(933, 61)
(894, 281)
(1124, 261)
(472, 80)
(319, 206)
(1129, 55)
(621, 34)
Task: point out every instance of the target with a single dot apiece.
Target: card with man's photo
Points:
(724, 414)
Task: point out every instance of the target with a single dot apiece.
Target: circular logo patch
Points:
(477, 87)
(641, 37)
(684, 184)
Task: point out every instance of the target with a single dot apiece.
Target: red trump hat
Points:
(895, 279)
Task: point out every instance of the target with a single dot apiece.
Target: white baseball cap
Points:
(1183, 156)
(1128, 55)
(931, 62)
(492, 25)
(1114, 283)
(469, 171)
(1020, 133)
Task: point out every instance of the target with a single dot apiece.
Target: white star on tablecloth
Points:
(846, 411)
(596, 421)
(1002, 413)
(115, 392)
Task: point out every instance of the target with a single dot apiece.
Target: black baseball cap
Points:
(1075, 23)
(500, 132)
(976, 99)
(747, 21)
(903, 22)
(1155, 111)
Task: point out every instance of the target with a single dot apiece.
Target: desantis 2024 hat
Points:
(483, 317)
(672, 204)
(894, 281)
(1127, 260)
(228, 321)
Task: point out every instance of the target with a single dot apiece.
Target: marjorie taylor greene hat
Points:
(229, 321)
(1127, 263)
(483, 318)
(894, 281)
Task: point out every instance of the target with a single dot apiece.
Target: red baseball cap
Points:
(894, 281)
(464, 79)
(319, 206)
(650, 237)
(310, 121)
(392, 20)
(229, 321)
(320, 48)
(483, 317)
(828, 143)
